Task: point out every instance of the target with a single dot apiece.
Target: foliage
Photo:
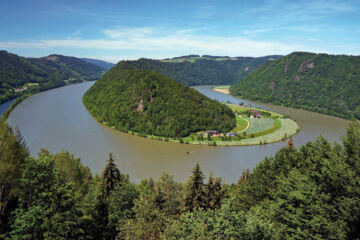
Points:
(111, 177)
(13, 152)
(150, 103)
(44, 73)
(317, 82)
(194, 197)
(307, 193)
(47, 209)
(195, 70)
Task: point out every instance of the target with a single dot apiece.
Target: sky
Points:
(116, 30)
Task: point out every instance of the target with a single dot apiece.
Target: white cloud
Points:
(152, 43)
(256, 31)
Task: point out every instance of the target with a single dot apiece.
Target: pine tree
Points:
(352, 145)
(214, 193)
(194, 194)
(111, 177)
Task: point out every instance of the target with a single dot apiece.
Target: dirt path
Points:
(248, 124)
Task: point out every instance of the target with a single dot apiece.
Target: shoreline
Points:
(222, 89)
(22, 97)
(260, 141)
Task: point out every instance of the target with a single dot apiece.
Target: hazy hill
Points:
(206, 70)
(318, 82)
(149, 103)
(100, 63)
(41, 73)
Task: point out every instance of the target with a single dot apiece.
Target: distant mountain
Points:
(18, 74)
(100, 63)
(150, 103)
(206, 70)
(317, 82)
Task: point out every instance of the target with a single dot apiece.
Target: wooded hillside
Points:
(317, 82)
(150, 103)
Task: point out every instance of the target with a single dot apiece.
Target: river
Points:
(57, 120)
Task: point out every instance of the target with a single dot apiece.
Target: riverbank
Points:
(16, 102)
(222, 89)
(25, 95)
(248, 131)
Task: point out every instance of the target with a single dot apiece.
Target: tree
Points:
(214, 193)
(352, 145)
(194, 197)
(13, 152)
(47, 208)
(121, 204)
(168, 195)
(110, 177)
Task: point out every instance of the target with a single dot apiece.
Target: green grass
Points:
(288, 128)
(259, 124)
(241, 124)
(32, 84)
(276, 126)
(222, 87)
(240, 109)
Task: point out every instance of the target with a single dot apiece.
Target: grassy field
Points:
(258, 125)
(241, 124)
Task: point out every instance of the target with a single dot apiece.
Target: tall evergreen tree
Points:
(214, 193)
(110, 176)
(352, 145)
(194, 194)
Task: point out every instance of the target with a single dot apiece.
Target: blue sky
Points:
(116, 30)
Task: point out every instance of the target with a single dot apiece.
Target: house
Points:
(212, 133)
(255, 114)
(231, 134)
(20, 89)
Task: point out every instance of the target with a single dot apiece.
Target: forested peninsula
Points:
(148, 102)
(328, 84)
(20, 75)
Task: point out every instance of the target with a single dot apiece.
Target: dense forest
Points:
(307, 193)
(147, 102)
(206, 70)
(38, 74)
(317, 82)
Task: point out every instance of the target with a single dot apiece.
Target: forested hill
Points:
(147, 102)
(317, 82)
(206, 70)
(18, 74)
(100, 63)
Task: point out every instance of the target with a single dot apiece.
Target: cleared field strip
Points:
(258, 125)
(241, 124)
(288, 128)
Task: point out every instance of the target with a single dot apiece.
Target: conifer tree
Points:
(194, 194)
(111, 177)
(352, 145)
(214, 193)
